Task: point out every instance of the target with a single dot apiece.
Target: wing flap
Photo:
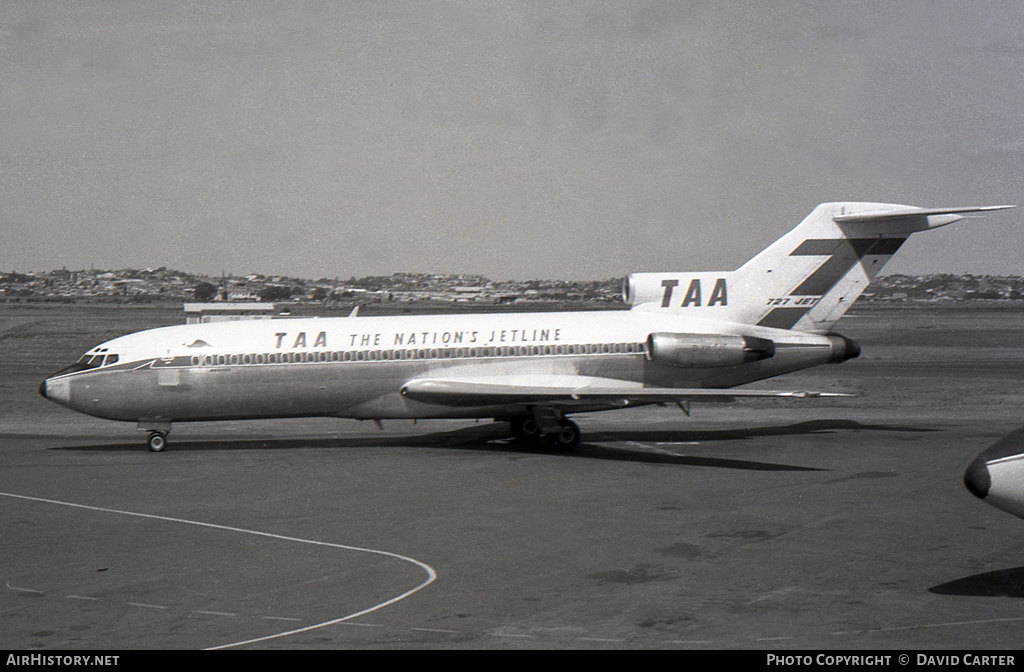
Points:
(573, 389)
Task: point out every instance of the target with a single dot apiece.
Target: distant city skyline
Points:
(228, 275)
(574, 140)
(170, 285)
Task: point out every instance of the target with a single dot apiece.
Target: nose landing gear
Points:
(157, 441)
(158, 431)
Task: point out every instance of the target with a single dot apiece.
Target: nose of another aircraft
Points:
(977, 479)
(997, 474)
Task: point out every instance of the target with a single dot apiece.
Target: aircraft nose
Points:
(57, 390)
(978, 479)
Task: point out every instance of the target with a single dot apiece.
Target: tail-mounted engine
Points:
(707, 350)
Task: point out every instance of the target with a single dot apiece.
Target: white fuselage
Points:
(685, 336)
(356, 366)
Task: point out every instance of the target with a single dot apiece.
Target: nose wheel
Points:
(157, 442)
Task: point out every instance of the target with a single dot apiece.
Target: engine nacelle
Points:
(707, 350)
(843, 348)
(640, 288)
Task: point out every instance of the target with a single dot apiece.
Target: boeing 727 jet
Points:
(686, 337)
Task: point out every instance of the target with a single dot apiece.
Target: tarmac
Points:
(774, 525)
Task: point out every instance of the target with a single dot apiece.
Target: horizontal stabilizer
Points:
(570, 389)
(942, 216)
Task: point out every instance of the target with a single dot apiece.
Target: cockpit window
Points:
(94, 361)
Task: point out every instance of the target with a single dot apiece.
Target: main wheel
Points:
(525, 428)
(565, 437)
(157, 441)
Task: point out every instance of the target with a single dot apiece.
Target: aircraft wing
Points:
(570, 390)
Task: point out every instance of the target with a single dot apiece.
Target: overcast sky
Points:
(579, 140)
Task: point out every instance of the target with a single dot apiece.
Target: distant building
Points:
(242, 294)
(196, 313)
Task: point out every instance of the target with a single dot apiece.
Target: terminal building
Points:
(196, 313)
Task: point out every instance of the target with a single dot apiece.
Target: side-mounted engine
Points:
(707, 350)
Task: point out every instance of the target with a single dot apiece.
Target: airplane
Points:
(996, 476)
(686, 337)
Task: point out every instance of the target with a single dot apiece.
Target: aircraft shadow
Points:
(737, 433)
(494, 437)
(1000, 583)
(598, 452)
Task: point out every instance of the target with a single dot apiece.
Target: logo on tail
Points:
(842, 256)
(805, 280)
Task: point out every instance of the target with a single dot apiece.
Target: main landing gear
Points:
(565, 437)
(562, 436)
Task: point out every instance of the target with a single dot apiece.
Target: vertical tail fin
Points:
(805, 280)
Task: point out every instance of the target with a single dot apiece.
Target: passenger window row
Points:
(421, 353)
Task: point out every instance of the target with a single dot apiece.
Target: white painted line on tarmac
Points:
(691, 641)
(501, 634)
(281, 618)
(213, 613)
(431, 574)
(147, 606)
(447, 632)
(24, 590)
(364, 625)
(653, 448)
(647, 446)
(929, 625)
(82, 597)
